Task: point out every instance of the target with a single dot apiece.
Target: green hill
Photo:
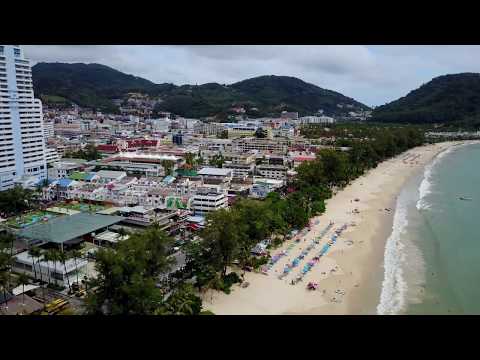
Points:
(89, 85)
(274, 93)
(445, 99)
(94, 86)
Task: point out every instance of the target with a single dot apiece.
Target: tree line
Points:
(129, 275)
(89, 153)
(230, 234)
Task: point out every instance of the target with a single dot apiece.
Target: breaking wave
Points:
(394, 286)
(426, 185)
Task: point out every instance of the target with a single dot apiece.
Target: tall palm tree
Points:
(55, 257)
(76, 254)
(23, 280)
(63, 257)
(10, 238)
(4, 280)
(47, 257)
(34, 252)
(37, 253)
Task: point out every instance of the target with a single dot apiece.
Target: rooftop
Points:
(215, 171)
(110, 236)
(65, 182)
(135, 209)
(168, 179)
(62, 229)
(66, 165)
(111, 174)
(77, 175)
(146, 155)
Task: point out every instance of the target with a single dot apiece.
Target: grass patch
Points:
(28, 219)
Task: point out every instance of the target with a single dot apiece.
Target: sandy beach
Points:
(350, 274)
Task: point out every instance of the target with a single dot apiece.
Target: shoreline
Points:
(350, 276)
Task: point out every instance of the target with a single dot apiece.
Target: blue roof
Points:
(90, 176)
(64, 182)
(39, 181)
(168, 179)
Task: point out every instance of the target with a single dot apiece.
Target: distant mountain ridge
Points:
(451, 98)
(95, 85)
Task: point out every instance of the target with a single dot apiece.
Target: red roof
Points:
(142, 143)
(107, 148)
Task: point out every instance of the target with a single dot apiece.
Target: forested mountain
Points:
(90, 85)
(445, 99)
(94, 85)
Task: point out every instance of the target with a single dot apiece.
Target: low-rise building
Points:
(316, 120)
(51, 155)
(262, 187)
(59, 273)
(272, 171)
(208, 200)
(106, 176)
(63, 169)
(211, 175)
(240, 170)
(279, 146)
(209, 129)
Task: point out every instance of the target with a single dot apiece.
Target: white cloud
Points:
(371, 74)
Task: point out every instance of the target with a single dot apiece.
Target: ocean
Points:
(432, 255)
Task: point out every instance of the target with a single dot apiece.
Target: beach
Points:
(351, 273)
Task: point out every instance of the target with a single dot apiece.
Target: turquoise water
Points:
(433, 255)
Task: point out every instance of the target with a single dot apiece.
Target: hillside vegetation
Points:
(445, 99)
(95, 85)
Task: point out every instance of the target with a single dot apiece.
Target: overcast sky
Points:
(373, 75)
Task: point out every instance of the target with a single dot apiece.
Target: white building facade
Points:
(316, 120)
(22, 144)
(48, 129)
(207, 201)
(51, 155)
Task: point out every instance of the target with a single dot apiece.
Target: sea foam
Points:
(394, 287)
(394, 293)
(426, 185)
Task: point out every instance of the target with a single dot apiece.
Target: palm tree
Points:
(63, 257)
(23, 280)
(4, 279)
(34, 252)
(167, 166)
(54, 258)
(38, 254)
(190, 159)
(9, 239)
(47, 257)
(76, 254)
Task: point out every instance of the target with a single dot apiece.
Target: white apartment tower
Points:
(22, 144)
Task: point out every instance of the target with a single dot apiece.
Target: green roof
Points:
(77, 175)
(64, 228)
(184, 172)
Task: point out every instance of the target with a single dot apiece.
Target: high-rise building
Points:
(22, 144)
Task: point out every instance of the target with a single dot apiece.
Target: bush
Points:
(225, 284)
(277, 242)
(206, 312)
(256, 262)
